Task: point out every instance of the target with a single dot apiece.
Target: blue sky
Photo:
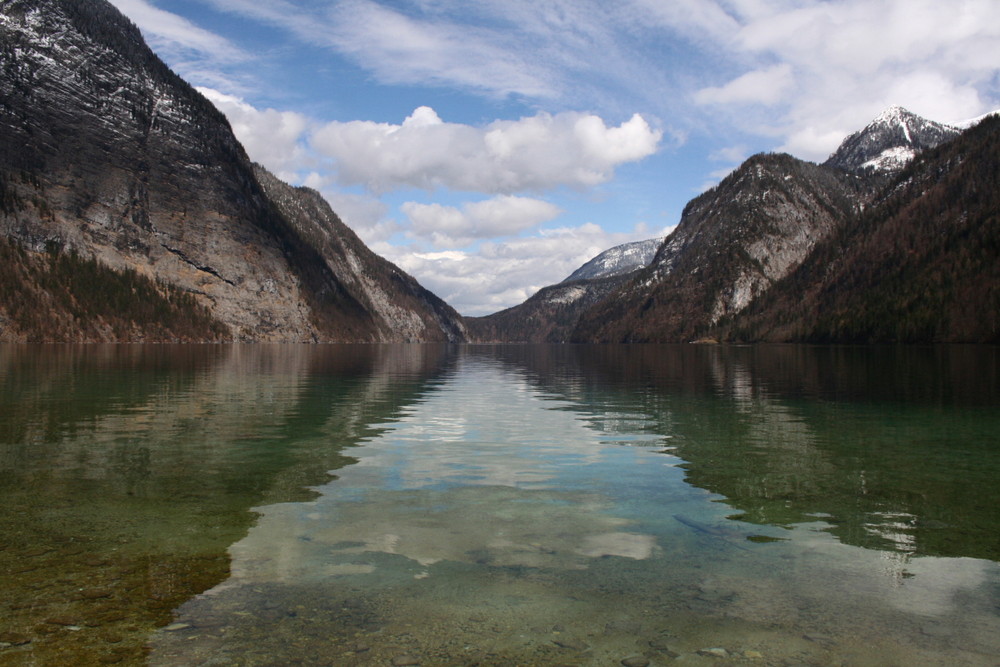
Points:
(490, 147)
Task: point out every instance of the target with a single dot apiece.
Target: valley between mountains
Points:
(130, 212)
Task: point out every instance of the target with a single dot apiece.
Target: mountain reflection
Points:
(126, 471)
(888, 448)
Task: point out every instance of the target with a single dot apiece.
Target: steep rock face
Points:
(106, 152)
(732, 244)
(922, 264)
(398, 307)
(889, 142)
(618, 261)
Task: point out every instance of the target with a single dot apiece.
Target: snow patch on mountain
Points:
(969, 122)
(569, 295)
(890, 142)
(891, 159)
(618, 261)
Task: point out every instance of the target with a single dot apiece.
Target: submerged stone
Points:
(571, 644)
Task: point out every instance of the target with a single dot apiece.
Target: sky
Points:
(491, 147)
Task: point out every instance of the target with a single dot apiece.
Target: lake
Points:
(499, 505)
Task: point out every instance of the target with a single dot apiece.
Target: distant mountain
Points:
(108, 157)
(550, 315)
(618, 261)
(889, 142)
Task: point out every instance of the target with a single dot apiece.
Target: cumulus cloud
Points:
(498, 275)
(452, 227)
(273, 138)
(506, 156)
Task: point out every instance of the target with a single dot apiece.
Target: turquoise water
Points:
(521, 505)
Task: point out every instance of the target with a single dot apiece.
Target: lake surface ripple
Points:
(499, 505)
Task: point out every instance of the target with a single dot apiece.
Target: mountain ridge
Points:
(732, 243)
(918, 266)
(824, 295)
(106, 153)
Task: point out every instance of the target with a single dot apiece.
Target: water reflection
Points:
(553, 505)
(498, 505)
(127, 471)
(894, 448)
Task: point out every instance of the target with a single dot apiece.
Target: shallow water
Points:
(523, 505)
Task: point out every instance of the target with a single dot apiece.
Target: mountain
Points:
(618, 261)
(732, 243)
(889, 142)
(920, 265)
(401, 309)
(775, 217)
(551, 314)
(108, 159)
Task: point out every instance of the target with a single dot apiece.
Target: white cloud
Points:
(560, 53)
(273, 138)
(700, 17)
(167, 30)
(366, 215)
(200, 56)
(765, 86)
(451, 227)
(503, 274)
(399, 48)
(851, 59)
(530, 154)
(799, 73)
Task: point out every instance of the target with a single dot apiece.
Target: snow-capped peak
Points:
(889, 142)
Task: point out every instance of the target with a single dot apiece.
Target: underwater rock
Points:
(13, 639)
(571, 644)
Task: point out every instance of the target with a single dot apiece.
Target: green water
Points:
(513, 505)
